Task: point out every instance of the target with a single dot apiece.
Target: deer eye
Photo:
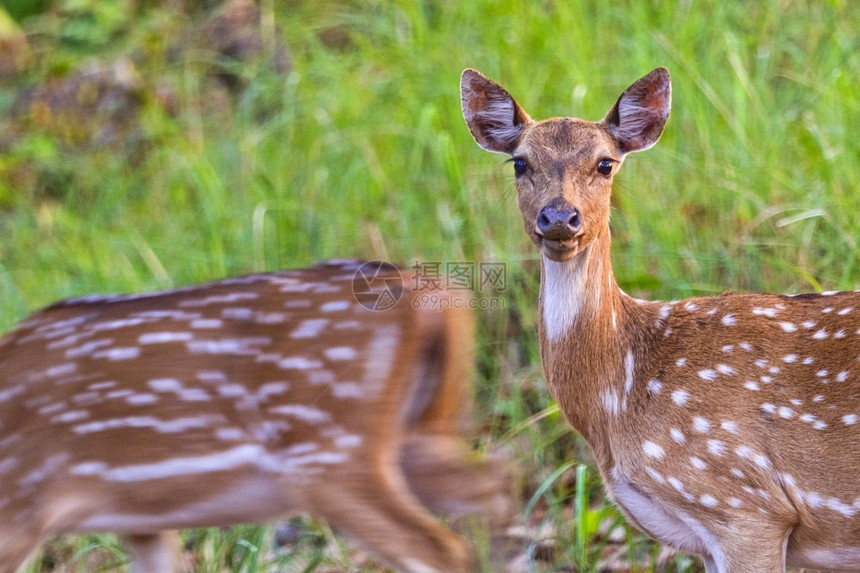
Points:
(604, 166)
(520, 166)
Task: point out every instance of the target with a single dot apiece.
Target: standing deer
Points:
(724, 426)
(237, 402)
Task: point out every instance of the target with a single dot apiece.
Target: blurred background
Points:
(146, 144)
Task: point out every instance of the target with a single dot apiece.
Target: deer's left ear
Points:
(638, 117)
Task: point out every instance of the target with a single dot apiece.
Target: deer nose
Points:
(558, 221)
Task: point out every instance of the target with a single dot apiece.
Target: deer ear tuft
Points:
(493, 116)
(638, 117)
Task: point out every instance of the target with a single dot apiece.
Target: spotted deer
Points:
(240, 401)
(724, 426)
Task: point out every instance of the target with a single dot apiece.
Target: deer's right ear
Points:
(493, 116)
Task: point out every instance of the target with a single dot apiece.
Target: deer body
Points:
(236, 402)
(725, 426)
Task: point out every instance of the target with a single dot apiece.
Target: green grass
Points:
(361, 151)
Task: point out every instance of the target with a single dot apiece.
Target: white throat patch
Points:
(562, 286)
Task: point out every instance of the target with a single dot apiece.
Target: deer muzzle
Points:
(558, 221)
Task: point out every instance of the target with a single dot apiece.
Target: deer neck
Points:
(587, 329)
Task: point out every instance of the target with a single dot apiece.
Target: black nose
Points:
(558, 221)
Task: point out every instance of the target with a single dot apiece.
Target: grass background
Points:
(360, 150)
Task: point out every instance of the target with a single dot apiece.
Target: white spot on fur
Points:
(701, 425)
(115, 354)
(76, 415)
(849, 419)
(678, 435)
(610, 402)
(698, 463)
(170, 426)
(707, 374)
(299, 363)
(310, 328)
(141, 399)
(655, 475)
(680, 397)
(651, 449)
(716, 447)
(335, 306)
(88, 348)
(340, 353)
(164, 337)
(708, 501)
(728, 320)
(207, 323)
(768, 312)
(348, 441)
(220, 461)
(654, 386)
(301, 412)
(628, 372)
(730, 427)
(725, 369)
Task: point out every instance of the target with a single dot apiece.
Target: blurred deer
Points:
(240, 401)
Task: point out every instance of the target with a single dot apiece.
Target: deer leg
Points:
(17, 542)
(756, 552)
(379, 512)
(449, 478)
(14, 550)
(153, 553)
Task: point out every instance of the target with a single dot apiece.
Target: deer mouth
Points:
(559, 250)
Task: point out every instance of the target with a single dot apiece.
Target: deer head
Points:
(564, 167)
